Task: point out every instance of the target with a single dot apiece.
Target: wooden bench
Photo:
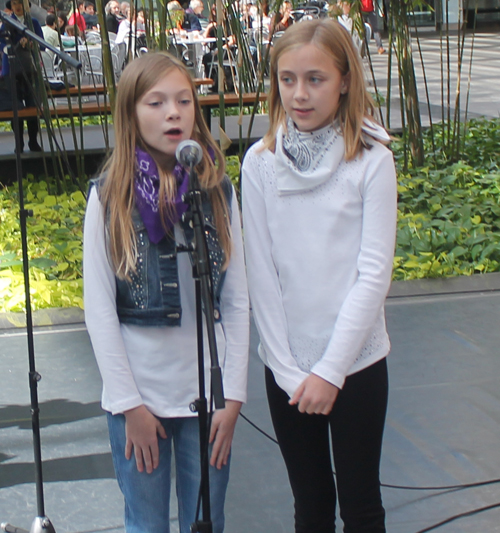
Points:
(84, 90)
(207, 102)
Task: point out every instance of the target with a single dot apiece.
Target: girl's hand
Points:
(141, 429)
(315, 396)
(222, 431)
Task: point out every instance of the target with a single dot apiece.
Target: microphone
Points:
(189, 153)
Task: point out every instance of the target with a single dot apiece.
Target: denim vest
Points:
(152, 297)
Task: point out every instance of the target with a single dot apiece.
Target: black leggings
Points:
(356, 424)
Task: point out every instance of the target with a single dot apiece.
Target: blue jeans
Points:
(147, 496)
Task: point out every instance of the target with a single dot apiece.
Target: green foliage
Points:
(54, 247)
(448, 223)
(233, 169)
(94, 120)
(232, 111)
(449, 214)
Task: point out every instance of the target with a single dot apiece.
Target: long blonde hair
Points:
(330, 37)
(117, 192)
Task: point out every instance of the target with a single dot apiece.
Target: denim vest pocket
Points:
(151, 297)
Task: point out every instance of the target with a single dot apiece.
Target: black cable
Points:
(389, 486)
(458, 516)
(258, 428)
(405, 487)
(444, 293)
(444, 487)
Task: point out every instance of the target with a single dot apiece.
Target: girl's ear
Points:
(345, 84)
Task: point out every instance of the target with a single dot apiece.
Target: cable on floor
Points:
(387, 485)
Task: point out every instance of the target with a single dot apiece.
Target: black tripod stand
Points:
(41, 523)
(189, 154)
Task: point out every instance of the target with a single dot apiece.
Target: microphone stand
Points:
(198, 250)
(41, 524)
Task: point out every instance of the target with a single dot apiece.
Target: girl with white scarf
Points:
(319, 210)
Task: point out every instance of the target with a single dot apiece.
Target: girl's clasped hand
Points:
(319, 212)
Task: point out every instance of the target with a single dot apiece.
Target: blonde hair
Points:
(330, 37)
(174, 5)
(117, 192)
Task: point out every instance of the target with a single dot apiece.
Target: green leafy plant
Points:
(54, 247)
(448, 222)
(233, 169)
(449, 214)
(95, 120)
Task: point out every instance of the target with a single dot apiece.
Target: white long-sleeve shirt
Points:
(157, 366)
(319, 265)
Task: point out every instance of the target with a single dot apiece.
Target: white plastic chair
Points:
(92, 72)
(185, 54)
(118, 53)
(49, 68)
(93, 37)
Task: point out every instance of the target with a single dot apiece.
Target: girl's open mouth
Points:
(174, 132)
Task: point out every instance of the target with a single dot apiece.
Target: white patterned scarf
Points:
(305, 160)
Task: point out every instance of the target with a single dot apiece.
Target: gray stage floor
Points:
(442, 428)
(443, 425)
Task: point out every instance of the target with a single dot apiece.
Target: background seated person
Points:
(137, 25)
(246, 18)
(210, 31)
(188, 22)
(90, 16)
(76, 18)
(50, 33)
(48, 6)
(112, 11)
(124, 10)
(283, 18)
(70, 38)
(196, 7)
(62, 21)
(210, 59)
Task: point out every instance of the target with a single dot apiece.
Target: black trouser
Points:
(24, 86)
(356, 424)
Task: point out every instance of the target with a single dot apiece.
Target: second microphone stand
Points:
(41, 524)
(198, 250)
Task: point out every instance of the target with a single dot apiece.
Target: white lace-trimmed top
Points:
(319, 263)
(158, 366)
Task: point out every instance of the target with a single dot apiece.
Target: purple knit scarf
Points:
(147, 187)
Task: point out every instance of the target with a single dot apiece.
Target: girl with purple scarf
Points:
(140, 298)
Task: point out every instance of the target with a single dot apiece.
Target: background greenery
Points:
(54, 247)
(448, 224)
(449, 213)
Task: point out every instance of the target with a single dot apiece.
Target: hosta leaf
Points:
(43, 263)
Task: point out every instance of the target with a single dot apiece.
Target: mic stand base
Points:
(41, 524)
